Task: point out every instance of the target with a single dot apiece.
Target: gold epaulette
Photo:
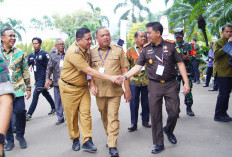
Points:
(145, 45)
(170, 41)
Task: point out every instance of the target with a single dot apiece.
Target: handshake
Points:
(119, 79)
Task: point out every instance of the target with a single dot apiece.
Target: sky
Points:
(24, 10)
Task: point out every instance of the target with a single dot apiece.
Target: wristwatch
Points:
(125, 76)
(2, 138)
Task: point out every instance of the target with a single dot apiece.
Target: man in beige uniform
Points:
(74, 90)
(109, 59)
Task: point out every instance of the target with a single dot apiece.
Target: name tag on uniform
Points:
(40, 57)
(88, 77)
(101, 70)
(34, 68)
(61, 63)
(10, 73)
(160, 70)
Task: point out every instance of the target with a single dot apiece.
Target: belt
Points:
(72, 84)
(164, 81)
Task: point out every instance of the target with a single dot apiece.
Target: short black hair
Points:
(194, 39)
(211, 43)
(156, 26)
(226, 25)
(38, 39)
(136, 33)
(4, 30)
(81, 32)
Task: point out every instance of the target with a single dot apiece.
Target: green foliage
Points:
(133, 11)
(47, 45)
(42, 24)
(15, 25)
(204, 50)
(134, 27)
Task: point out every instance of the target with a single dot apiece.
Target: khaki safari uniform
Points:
(74, 92)
(162, 85)
(109, 94)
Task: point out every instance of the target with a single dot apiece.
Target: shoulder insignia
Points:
(77, 50)
(145, 45)
(170, 41)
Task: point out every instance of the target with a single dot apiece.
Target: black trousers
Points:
(20, 113)
(225, 86)
(157, 91)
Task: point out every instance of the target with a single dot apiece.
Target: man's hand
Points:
(186, 57)
(28, 95)
(93, 88)
(186, 88)
(118, 79)
(230, 39)
(127, 95)
(48, 83)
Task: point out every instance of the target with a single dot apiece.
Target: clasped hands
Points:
(119, 79)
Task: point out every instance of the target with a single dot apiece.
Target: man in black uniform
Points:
(39, 60)
(161, 58)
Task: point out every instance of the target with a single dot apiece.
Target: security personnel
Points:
(161, 58)
(109, 59)
(39, 60)
(74, 90)
(185, 48)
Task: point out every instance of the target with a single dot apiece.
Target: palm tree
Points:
(218, 16)
(15, 25)
(133, 9)
(188, 13)
(97, 11)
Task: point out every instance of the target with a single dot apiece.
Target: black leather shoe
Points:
(9, 146)
(133, 127)
(157, 148)
(170, 135)
(223, 119)
(146, 124)
(60, 122)
(113, 152)
(189, 112)
(76, 144)
(22, 142)
(212, 89)
(89, 146)
(206, 85)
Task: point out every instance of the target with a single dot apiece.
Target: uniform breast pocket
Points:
(114, 59)
(167, 56)
(40, 57)
(95, 62)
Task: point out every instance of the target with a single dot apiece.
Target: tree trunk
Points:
(205, 36)
(202, 25)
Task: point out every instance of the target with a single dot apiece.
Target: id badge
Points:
(101, 70)
(143, 68)
(160, 70)
(61, 63)
(10, 73)
(88, 77)
(34, 68)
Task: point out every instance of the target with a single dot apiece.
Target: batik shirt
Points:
(55, 65)
(16, 61)
(5, 85)
(141, 77)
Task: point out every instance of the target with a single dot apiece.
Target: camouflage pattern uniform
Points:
(185, 49)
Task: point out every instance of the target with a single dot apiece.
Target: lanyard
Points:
(105, 55)
(137, 50)
(161, 60)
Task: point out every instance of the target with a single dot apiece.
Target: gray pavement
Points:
(197, 136)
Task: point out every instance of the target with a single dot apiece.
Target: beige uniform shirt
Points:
(76, 59)
(113, 65)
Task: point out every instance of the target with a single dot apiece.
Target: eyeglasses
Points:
(60, 44)
(11, 36)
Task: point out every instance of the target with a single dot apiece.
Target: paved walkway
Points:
(197, 136)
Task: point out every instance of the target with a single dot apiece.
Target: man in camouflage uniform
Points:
(185, 48)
